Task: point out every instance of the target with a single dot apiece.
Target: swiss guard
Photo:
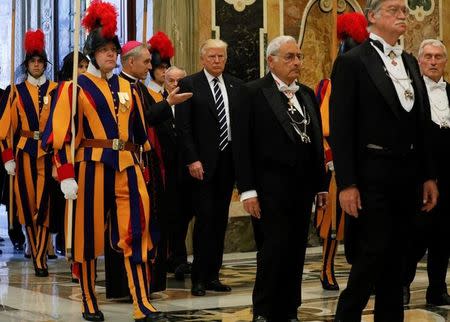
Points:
(26, 109)
(106, 181)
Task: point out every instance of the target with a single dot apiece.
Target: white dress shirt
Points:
(437, 94)
(397, 73)
(294, 99)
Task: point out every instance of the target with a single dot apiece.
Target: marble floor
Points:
(26, 298)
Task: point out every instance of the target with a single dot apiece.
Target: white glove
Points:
(10, 167)
(330, 166)
(69, 187)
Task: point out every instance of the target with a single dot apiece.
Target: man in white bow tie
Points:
(431, 230)
(379, 132)
(279, 163)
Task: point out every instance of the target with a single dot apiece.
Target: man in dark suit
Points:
(431, 230)
(176, 199)
(381, 150)
(203, 125)
(279, 168)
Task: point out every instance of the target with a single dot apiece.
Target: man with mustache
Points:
(379, 139)
(279, 163)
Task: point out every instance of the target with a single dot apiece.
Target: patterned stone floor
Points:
(25, 298)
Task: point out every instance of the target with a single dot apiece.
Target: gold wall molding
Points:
(419, 12)
(239, 5)
(325, 5)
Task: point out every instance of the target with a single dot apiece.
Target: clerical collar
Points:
(36, 81)
(130, 78)
(155, 87)
(96, 72)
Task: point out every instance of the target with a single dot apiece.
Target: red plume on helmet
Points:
(34, 42)
(353, 25)
(160, 42)
(101, 14)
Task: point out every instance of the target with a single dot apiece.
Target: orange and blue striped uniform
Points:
(331, 221)
(26, 109)
(111, 188)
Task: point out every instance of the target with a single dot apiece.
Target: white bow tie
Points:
(291, 89)
(397, 50)
(440, 85)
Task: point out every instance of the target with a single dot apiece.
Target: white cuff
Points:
(248, 194)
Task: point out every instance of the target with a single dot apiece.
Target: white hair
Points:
(274, 45)
(175, 68)
(213, 43)
(372, 6)
(431, 42)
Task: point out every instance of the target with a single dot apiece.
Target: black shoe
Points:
(61, 252)
(217, 286)
(326, 285)
(406, 295)
(181, 270)
(198, 289)
(52, 256)
(41, 272)
(260, 318)
(293, 320)
(97, 316)
(438, 299)
(154, 317)
(27, 255)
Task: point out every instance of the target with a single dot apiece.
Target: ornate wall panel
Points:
(241, 25)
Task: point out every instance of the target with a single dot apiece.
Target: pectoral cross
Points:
(291, 108)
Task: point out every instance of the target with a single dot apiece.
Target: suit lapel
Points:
(206, 90)
(277, 105)
(377, 73)
(448, 92)
(231, 88)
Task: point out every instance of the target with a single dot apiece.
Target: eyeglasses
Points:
(395, 11)
(437, 57)
(291, 57)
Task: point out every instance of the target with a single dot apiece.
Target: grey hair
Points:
(372, 6)
(274, 45)
(132, 53)
(173, 68)
(431, 42)
(213, 43)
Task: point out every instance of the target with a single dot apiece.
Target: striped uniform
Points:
(111, 189)
(27, 109)
(331, 221)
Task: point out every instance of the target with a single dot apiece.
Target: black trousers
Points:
(431, 232)
(211, 202)
(285, 215)
(378, 244)
(178, 212)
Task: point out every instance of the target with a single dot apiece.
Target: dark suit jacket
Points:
(264, 140)
(365, 109)
(197, 121)
(154, 113)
